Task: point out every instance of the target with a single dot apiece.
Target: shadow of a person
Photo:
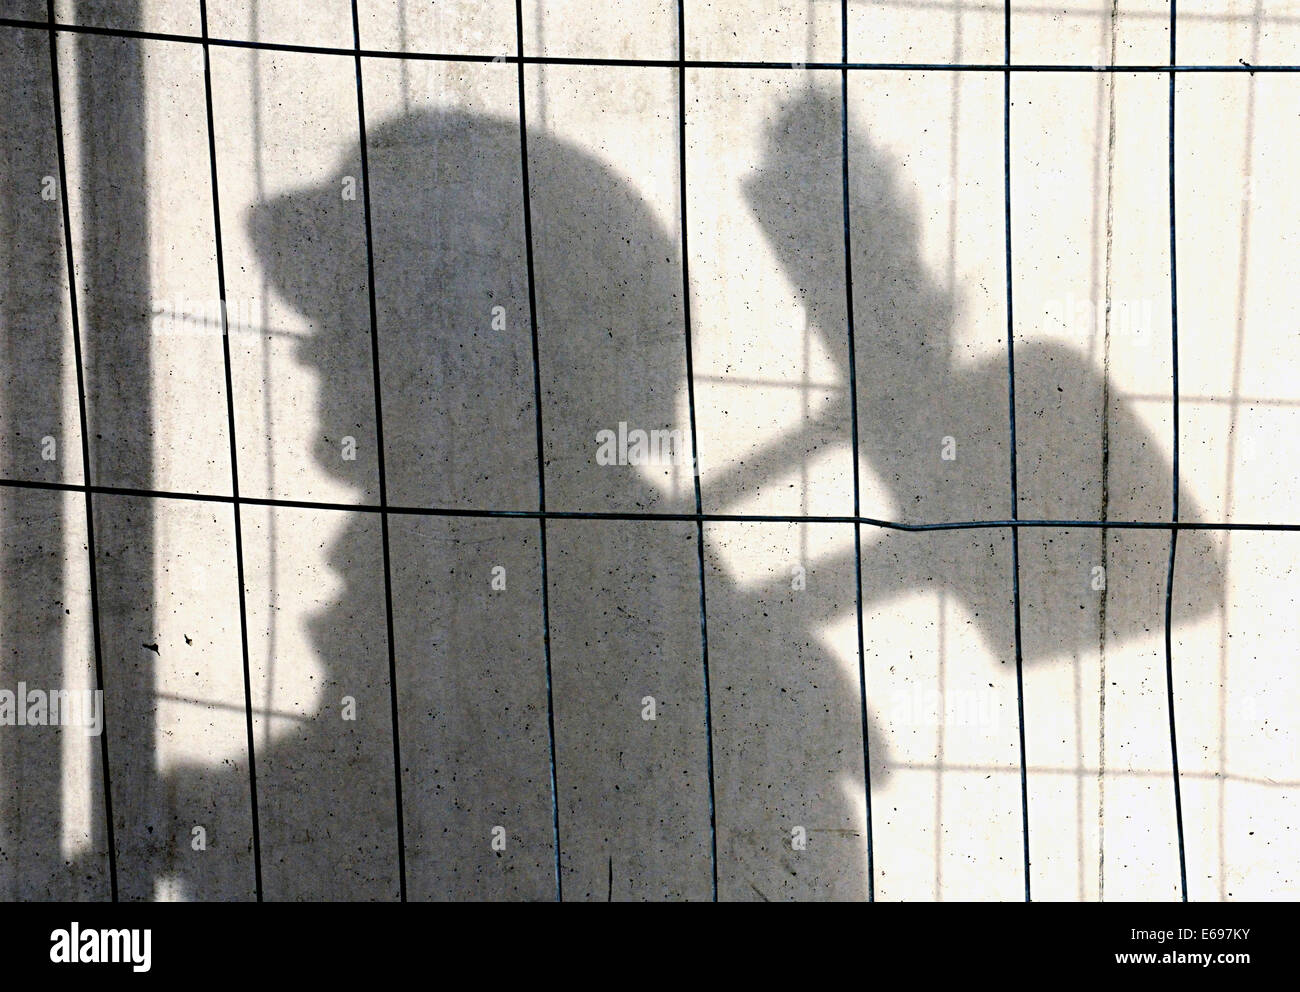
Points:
(448, 245)
(453, 321)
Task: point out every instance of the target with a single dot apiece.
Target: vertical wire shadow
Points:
(695, 453)
(379, 449)
(541, 449)
(853, 409)
(1011, 413)
(234, 455)
(1173, 533)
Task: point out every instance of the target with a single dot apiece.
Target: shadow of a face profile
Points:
(454, 339)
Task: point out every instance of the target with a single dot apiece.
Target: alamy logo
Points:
(77, 946)
(53, 708)
(638, 447)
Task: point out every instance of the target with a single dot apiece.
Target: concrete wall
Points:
(768, 311)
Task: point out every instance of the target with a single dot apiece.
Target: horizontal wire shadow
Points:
(352, 53)
(706, 517)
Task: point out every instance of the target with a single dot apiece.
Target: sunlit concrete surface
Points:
(650, 789)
